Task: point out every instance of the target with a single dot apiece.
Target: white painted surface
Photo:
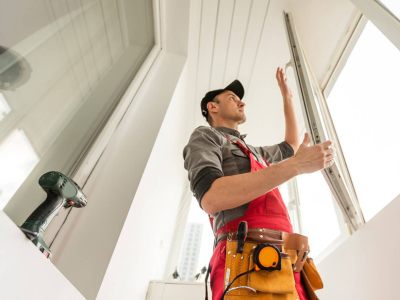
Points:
(365, 266)
(143, 249)
(386, 20)
(86, 244)
(173, 290)
(25, 272)
(126, 232)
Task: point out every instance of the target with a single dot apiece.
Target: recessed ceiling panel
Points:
(250, 49)
(222, 37)
(207, 30)
(241, 17)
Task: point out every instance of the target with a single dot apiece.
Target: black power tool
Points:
(62, 192)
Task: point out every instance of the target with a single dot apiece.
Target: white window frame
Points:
(84, 166)
(382, 18)
(85, 157)
(294, 201)
(389, 25)
(345, 196)
(343, 53)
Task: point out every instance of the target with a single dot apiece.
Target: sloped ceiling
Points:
(246, 40)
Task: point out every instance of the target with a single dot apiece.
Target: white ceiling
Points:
(246, 40)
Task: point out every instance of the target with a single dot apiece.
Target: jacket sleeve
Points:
(276, 153)
(203, 160)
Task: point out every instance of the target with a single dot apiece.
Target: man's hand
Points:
(314, 158)
(282, 82)
(228, 192)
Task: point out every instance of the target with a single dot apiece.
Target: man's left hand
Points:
(282, 82)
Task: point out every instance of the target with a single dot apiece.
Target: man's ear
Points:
(212, 107)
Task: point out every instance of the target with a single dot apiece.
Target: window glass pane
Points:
(199, 252)
(392, 5)
(318, 217)
(17, 159)
(4, 107)
(364, 106)
(56, 59)
(283, 189)
(290, 205)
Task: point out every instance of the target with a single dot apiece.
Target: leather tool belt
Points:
(294, 244)
(270, 285)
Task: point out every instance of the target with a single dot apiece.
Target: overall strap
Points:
(243, 148)
(265, 161)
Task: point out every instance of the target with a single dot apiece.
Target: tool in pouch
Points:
(266, 257)
(62, 192)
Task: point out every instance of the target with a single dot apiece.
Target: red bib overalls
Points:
(266, 211)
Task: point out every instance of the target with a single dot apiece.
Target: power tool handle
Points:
(47, 207)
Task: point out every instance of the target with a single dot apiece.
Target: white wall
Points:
(143, 249)
(84, 247)
(360, 268)
(25, 272)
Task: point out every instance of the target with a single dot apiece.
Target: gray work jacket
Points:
(209, 156)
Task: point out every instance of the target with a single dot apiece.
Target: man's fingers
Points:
(306, 139)
(329, 163)
(330, 157)
(277, 73)
(329, 151)
(327, 144)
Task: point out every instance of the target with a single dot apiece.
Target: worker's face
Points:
(231, 107)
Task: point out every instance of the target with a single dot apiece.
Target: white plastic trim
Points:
(382, 18)
(313, 120)
(84, 167)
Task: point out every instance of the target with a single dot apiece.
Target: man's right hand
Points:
(232, 191)
(314, 158)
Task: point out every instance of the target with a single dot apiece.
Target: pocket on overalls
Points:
(312, 274)
(274, 282)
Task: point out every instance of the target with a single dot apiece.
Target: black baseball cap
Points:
(235, 87)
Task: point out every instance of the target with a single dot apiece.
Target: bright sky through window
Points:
(364, 106)
(393, 6)
(197, 215)
(318, 215)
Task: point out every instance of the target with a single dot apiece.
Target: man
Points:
(233, 182)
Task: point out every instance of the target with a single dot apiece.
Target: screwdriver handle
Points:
(241, 236)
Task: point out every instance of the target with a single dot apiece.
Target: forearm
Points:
(233, 191)
(291, 131)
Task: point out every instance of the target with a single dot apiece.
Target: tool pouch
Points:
(275, 282)
(274, 285)
(309, 274)
(312, 274)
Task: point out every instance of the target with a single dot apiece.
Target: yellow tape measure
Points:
(267, 257)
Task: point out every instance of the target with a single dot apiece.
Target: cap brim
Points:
(237, 88)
